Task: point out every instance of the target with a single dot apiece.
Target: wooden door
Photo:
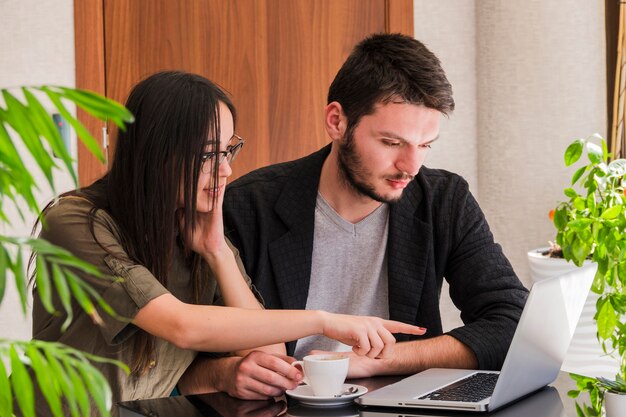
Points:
(275, 57)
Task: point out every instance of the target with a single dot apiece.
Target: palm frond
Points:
(62, 374)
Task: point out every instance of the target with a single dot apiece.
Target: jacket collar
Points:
(291, 255)
(408, 252)
(408, 248)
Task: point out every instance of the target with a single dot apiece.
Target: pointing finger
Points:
(399, 327)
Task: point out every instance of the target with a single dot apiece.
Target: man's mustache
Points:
(401, 177)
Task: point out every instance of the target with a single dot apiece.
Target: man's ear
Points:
(335, 121)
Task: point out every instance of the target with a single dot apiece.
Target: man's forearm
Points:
(278, 348)
(415, 356)
(205, 374)
(439, 352)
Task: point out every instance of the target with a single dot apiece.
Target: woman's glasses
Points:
(207, 158)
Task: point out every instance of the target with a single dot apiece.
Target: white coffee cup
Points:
(325, 373)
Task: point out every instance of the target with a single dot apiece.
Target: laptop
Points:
(533, 361)
(545, 403)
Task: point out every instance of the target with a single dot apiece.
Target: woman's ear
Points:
(335, 121)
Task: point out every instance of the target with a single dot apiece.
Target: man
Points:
(362, 227)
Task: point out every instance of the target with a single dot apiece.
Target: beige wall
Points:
(541, 83)
(529, 77)
(448, 28)
(36, 47)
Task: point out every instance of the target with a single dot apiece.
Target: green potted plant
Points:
(592, 225)
(62, 373)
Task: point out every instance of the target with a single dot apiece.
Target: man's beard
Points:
(354, 174)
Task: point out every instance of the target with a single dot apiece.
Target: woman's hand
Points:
(206, 237)
(369, 336)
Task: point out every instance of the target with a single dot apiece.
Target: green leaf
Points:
(607, 320)
(579, 411)
(621, 268)
(15, 174)
(20, 119)
(560, 219)
(573, 152)
(4, 265)
(82, 132)
(64, 382)
(72, 261)
(45, 126)
(47, 385)
(579, 172)
(6, 398)
(42, 283)
(594, 153)
(573, 393)
(14, 162)
(99, 106)
(22, 384)
(80, 393)
(591, 203)
(603, 264)
(20, 279)
(570, 192)
(579, 204)
(611, 212)
(101, 302)
(63, 291)
(97, 386)
(578, 251)
(584, 233)
(591, 183)
(82, 298)
(605, 150)
(580, 224)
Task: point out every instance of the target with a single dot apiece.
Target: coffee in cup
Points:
(325, 373)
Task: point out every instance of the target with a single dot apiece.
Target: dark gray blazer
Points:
(436, 230)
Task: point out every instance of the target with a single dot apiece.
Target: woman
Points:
(155, 219)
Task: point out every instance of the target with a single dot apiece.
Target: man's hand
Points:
(411, 357)
(260, 375)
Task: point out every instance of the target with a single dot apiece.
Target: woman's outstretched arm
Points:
(226, 329)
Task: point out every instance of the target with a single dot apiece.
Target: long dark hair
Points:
(176, 113)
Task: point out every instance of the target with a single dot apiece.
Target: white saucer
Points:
(304, 394)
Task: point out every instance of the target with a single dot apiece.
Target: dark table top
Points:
(551, 401)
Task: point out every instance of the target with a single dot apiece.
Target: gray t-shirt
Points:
(349, 269)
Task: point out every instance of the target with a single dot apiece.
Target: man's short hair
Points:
(390, 67)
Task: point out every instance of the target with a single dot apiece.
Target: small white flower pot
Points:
(542, 267)
(615, 404)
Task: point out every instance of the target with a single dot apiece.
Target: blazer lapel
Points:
(408, 248)
(291, 255)
(408, 251)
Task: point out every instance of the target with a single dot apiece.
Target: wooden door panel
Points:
(216, 39)
(89, 53)
(275, 57)
(309, 42)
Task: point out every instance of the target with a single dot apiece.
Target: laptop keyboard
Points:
(474, 388)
